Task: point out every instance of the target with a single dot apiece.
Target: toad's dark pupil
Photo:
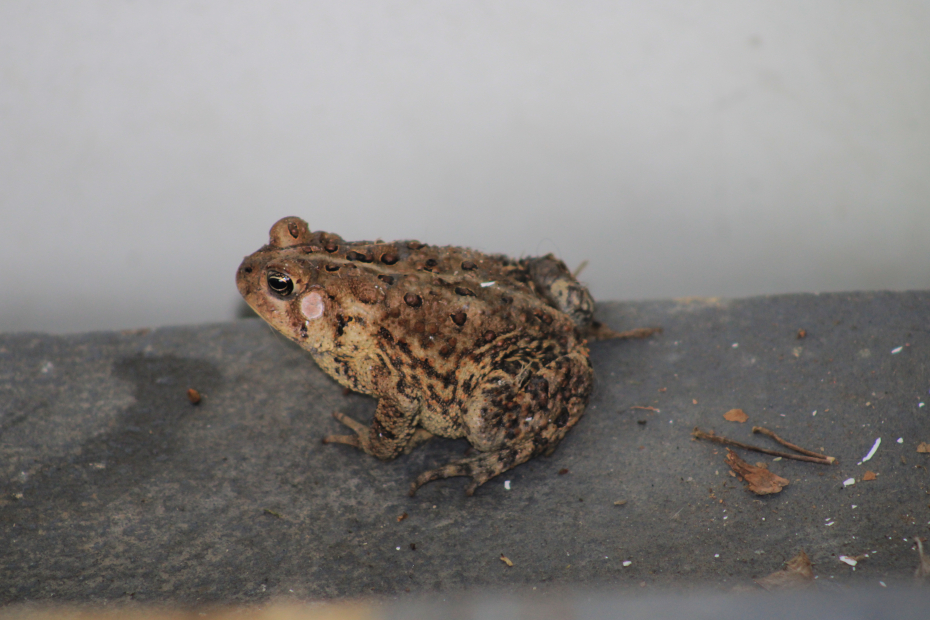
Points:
(280, 283)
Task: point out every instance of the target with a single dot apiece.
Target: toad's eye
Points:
(280, 283)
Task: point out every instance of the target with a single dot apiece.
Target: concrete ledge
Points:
(114, 487)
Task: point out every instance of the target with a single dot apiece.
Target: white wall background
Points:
(684, 148)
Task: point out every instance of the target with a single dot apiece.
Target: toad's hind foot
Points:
(480, 468)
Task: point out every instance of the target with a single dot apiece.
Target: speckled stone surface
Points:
(114, 487)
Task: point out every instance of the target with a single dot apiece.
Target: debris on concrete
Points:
(758, 478)
(797, 573)
(735, 415)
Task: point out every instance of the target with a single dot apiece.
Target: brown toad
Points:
(452, 342)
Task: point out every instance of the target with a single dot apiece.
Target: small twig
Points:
(580, 268)
(646, 408)
(764, 431)
(699, 434)
(640, 332)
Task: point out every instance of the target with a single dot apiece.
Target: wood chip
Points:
(869, 475)
(401, 517)
(759, 479)
(797, 573)
(506, 560)
(735, 415)
(923, 447)
(194, 396)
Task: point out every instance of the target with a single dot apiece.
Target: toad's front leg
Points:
(388, 436)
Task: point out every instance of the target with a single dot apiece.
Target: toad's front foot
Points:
(358, 440)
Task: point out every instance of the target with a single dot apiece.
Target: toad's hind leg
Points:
(480, 468)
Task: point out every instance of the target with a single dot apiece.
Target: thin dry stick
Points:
(699, 434)
(646, 408)
(764, 431)
(640, 332)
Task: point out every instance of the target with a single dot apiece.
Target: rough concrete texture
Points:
(114, 487)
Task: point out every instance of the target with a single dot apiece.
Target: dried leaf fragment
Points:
(402, 517)
(194, 396)
(869, 475)
(735, 415)
(759, 479)
(802, 334)
(797, 573)
(506, 560)
(923, 447)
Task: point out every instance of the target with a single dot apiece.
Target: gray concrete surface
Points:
(114, 487)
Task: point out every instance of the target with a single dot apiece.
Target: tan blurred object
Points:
(343, 611)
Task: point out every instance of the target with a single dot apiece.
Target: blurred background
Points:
(717, 148)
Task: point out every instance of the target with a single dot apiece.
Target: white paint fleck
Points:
(848, 560)
(897, 350)
(735, 345)
(627, 562)
(487, 284)
(900, 439)
(507, 484)
(849, 482)
(871, 453)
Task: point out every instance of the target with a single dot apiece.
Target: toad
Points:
(450, 341)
